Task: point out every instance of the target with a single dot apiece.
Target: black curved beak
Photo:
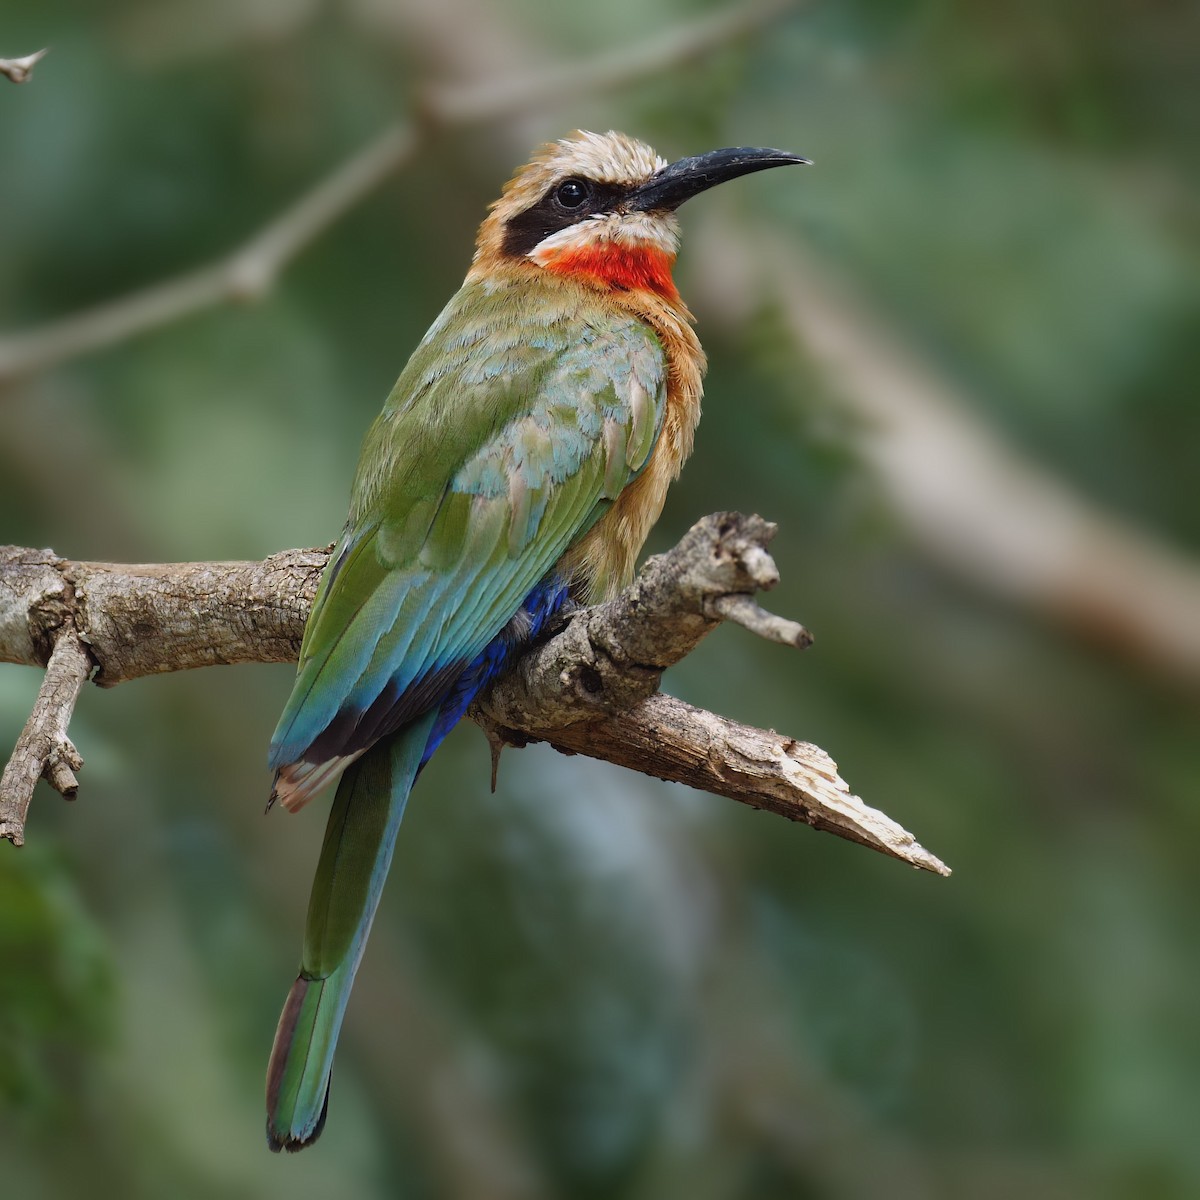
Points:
(669, 188)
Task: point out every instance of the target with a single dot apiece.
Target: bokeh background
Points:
(591, 984)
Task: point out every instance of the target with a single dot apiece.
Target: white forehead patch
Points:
(607, 157)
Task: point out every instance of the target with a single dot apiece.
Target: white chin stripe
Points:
(631, 229)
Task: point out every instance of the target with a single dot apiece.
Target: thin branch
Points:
(43, 751)
(590, 688)
(20, 70)
(666, 738)
(743, 611)
(252, 269)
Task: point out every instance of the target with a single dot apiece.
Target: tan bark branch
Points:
(743, 611)
(590, 689)
(146, 619)
(249, 272)
(20, 70)
(669, 739)
(43, 750)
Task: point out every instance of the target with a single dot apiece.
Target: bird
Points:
(517, 465)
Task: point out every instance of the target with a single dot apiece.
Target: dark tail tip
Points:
(277, 1141)
(279, 1135)
(292, 1099)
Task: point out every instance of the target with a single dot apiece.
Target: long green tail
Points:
(355, 857)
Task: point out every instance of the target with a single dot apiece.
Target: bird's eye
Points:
(571, 193)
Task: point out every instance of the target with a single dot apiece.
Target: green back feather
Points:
(516, 423)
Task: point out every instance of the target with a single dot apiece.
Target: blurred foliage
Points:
(55, 992)
(589, 984)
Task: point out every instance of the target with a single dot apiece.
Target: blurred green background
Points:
(591, 984)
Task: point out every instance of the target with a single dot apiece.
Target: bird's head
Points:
(601, 207)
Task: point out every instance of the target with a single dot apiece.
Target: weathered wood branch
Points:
(146, 619)
(43, 750)
(20, 70)
(590, 688)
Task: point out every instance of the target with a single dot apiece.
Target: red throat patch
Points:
(623, 267)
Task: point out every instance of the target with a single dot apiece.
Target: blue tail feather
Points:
(355, 857)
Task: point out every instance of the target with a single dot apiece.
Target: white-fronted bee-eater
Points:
(521, 459)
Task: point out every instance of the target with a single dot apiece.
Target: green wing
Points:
(517, 422)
